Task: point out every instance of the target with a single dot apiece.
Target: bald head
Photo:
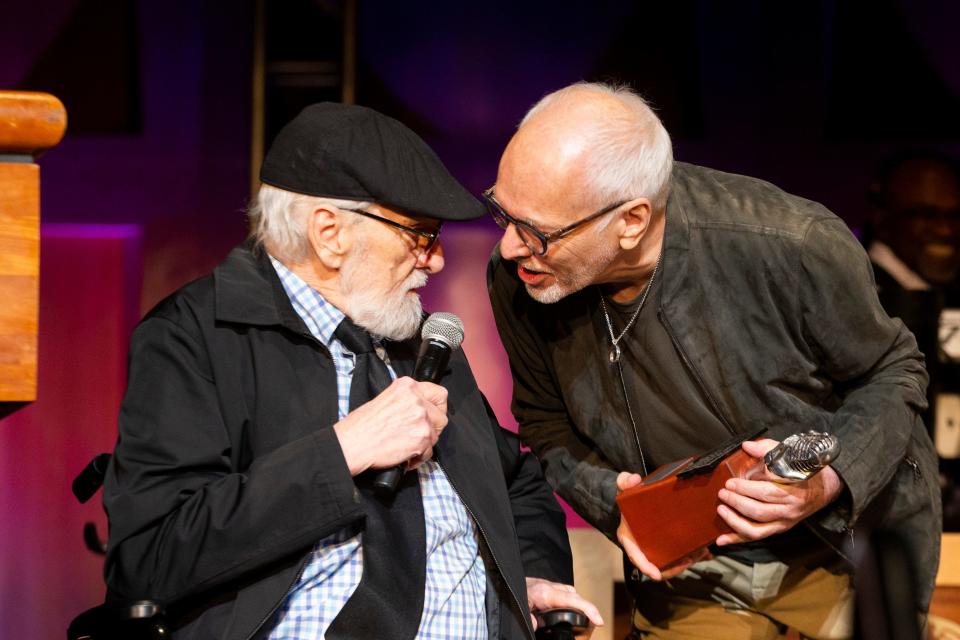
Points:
(591, 143)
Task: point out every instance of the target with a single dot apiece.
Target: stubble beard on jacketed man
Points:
(570, 280)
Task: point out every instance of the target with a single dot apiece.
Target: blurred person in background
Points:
(913, 238)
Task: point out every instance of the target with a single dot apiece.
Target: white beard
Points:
(393, 314)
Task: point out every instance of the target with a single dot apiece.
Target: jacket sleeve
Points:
(575, 468)
(539, 520)
(872, 360)
(183, 518)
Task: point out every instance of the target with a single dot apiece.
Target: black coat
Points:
(227, 469)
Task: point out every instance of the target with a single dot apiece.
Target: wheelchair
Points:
(138, 620)
(145, 619)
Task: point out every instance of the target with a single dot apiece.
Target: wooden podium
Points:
(30, 123)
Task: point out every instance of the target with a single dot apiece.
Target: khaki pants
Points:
(722, 599)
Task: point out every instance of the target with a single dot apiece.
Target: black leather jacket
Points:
(770, 302)
(227, 470)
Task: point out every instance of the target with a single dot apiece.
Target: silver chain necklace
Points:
(615, 352)
(615, 356)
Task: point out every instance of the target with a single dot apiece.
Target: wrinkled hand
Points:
(400, 425)
(543, 594)
(625, 481)
(762, 506)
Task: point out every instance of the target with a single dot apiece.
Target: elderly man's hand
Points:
(762, 506)
(543, 595)
(400, 425)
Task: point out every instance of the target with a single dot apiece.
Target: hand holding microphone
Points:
(441, 335)
(404, 421)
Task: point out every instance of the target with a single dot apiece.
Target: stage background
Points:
(148, 188)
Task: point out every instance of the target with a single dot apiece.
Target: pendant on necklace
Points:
(614, 354)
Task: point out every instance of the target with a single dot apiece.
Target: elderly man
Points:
(652, 310)
(241, 493)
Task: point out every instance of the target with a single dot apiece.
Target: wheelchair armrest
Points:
(140, 620)
(91, 478)
(560, 624)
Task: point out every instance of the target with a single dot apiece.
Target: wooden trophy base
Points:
(673, 512)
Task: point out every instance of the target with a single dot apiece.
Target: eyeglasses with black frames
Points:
(426, 240)
(534, 239)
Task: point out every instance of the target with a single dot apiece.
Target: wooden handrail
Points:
(30, 122)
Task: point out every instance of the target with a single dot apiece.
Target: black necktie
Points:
(388, 602)
(370, 374)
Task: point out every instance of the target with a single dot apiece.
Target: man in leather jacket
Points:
(239, 492)
(652, 310)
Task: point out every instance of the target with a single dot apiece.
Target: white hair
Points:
(278, 220)
(630, 154)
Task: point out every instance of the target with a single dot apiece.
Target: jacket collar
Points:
(248, 291)
(676, 241)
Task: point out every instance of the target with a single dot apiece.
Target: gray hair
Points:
(278, 220)
(630, 155)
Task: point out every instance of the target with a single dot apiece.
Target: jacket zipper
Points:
(483, 534)
(286, 592)
(913, 464)
(695, 373)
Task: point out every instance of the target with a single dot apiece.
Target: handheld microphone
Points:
(441, 335)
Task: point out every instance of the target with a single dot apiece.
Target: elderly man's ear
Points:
(325, 231)
(636, 221)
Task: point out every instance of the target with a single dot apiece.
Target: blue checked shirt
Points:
(456, 577)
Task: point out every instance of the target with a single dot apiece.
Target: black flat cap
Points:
(344, 151)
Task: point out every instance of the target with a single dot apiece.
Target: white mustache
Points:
(416, 280)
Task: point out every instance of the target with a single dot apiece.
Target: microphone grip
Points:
(386, 481)
(432, 361)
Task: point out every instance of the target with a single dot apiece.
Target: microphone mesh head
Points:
(445, 327)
